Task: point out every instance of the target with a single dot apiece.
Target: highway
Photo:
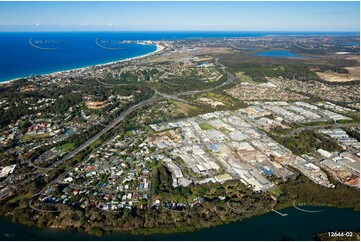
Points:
(315, 127)
(230, 80)
(86, 144)
(115, 122)
(156, 97)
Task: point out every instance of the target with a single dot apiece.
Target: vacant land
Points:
(96, 105)
(354, 74)
(205, 126)
(244, 78)
(184, 107)
(28, 137)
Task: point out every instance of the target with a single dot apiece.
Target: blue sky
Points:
(134, 16)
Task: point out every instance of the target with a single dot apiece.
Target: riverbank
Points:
(210, 214)
(170, 229)
(159, 48)
(271, 226)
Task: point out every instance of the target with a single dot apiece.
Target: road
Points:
(86, 144)
(116, 121)
(230, 80)
(301, 129)
(150, 197)
(156, 97)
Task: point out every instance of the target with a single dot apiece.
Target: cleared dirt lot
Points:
(354, 74)
(96, 105)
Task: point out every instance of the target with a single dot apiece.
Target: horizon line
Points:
(228, 31)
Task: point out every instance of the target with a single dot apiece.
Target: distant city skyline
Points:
(180, 16)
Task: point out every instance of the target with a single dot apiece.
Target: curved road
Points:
(116, 121)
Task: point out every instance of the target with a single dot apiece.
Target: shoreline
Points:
(158, 49)
(152, 232)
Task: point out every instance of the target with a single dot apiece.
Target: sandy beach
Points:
(158, 49)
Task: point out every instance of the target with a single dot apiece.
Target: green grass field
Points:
(67, 146)
(21, 197)
(27, 137)
(205, 126)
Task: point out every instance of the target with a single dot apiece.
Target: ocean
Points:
(25, 54)
(32, 53)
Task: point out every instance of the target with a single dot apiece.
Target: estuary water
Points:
(297, 225)
(278, 54)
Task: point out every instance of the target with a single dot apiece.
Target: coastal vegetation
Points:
(211, 212)
(258, 72)
(81, 108)
(305, 191)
